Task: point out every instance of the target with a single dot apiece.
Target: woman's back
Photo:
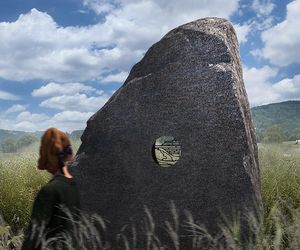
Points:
(53, 205)
(65, 195)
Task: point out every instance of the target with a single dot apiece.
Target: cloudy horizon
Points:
(60, 63)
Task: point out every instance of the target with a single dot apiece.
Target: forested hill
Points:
(17, 135)
(285, 115)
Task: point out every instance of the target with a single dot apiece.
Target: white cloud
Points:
(79, 102)
(8, 96)
(263, 23)
(27, 116)
(53, 88)
(289, 88)
(24, 126)
(72, 116)
(261, 90)
(262, 20)
(35, 47)
(242, 32)
(263, 7)
(69, 120)
(99, 7)
(99, 92)
(258, 85)
(256, 53)
(16, 108)
(119, 77)
(65, 121)
(171, 8)
(282, 41)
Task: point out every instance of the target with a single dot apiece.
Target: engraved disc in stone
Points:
(167, 151)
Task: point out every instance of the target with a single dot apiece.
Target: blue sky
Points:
(60, 61)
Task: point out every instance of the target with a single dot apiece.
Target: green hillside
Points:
(285, 114)
(18, 137)
(76, 134)
(5, 134)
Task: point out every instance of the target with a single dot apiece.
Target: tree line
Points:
(276, 134)
(11, 146)
(272, 134)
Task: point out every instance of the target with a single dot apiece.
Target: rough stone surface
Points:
(189, 85)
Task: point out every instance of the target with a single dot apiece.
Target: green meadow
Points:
(280, 179)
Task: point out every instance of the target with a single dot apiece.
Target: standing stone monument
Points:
(178, 130)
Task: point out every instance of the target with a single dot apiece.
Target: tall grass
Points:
(90, 231)
(280, 229)
(19, 183)
(280, 175)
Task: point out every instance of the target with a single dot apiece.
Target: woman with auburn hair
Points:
(58, 199)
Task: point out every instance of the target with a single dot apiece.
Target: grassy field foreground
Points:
(280, 176)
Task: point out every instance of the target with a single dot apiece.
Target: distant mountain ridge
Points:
(285, 114)
(16, 135)
(76, 134)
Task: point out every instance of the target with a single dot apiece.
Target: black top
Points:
(59, 192)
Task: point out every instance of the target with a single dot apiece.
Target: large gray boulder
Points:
(188, 86)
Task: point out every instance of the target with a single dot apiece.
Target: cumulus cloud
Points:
(27, 116)
(261, 89)
(8, 96)
(119, 77)
(36, 47)
(174, 8)
(75, 109)
(72, 116)
(25, 126)
(282, 42)
(289, 88)
(242, 32)
(263, 7)
(258, 85)
(16, 108)
(262, 19)
(27, 121)
(79, 102)
(69, 120)
(53, 88)
(99, 7)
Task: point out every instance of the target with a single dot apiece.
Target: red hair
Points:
(52, 142)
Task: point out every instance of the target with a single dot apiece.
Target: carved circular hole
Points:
(167, 151)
